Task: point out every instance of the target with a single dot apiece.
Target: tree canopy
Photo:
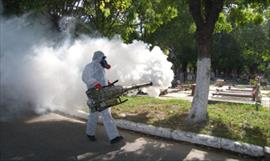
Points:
(241, 32)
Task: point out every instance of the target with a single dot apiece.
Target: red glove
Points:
(98, 86)
(109, 82)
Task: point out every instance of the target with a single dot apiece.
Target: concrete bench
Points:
(246, 89)
(241, 90)
(248, 95)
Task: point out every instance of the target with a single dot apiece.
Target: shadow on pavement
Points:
(48, 137)
(53, 137)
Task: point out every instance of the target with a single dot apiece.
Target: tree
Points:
(128, 18)
(179, 44)
(227, 54)
(205, 14)
(55, 10)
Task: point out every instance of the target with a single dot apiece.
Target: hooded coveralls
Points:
(94, 73)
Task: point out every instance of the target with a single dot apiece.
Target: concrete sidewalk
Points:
(53, 137)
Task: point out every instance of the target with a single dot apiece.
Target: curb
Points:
(201, 139)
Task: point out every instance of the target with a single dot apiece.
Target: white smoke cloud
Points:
(38, 71)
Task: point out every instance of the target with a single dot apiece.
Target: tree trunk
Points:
(198, 112)
(184, 71)
(205, 14)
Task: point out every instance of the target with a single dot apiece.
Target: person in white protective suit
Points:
(94, 77)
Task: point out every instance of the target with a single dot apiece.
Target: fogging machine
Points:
(110, 95)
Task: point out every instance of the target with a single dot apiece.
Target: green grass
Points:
(239, 122)
(233, 121)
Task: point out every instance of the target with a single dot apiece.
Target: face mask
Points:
(104, 63)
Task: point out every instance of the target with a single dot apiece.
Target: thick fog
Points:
(41, 69)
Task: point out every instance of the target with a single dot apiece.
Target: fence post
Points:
(257, 94)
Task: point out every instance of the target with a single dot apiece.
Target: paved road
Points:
(53, 137)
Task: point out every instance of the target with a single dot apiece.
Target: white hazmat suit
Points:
(93, 74)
